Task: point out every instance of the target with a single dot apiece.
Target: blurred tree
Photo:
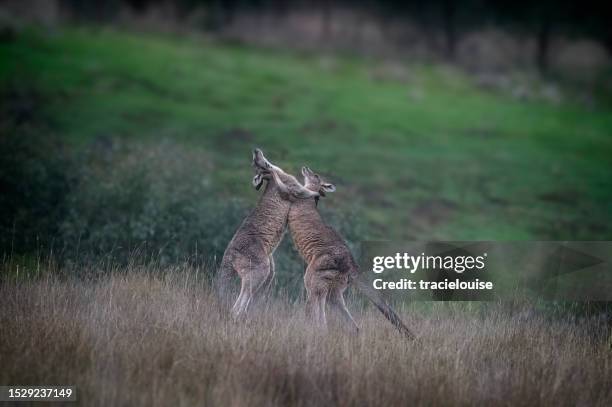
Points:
(441, 22)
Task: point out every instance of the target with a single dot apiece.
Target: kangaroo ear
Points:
(306, 171)
(257, 181)
(327, 187)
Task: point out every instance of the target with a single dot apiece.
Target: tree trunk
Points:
(450, 33)
(543, 46)
(326, 20)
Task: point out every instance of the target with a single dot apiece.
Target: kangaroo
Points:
(249, 253)
(330, 264)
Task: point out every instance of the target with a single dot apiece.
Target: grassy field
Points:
(158, 338)
(417, 151)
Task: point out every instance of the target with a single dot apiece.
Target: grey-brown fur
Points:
(330, 264)
(249, 253)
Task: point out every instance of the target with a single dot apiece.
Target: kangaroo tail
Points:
(377, 299)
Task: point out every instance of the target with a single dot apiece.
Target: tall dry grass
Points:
(159, 339)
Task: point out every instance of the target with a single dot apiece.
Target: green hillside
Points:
(417, 151)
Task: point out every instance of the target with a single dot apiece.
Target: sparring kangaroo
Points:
(249, 253)
(330, 264)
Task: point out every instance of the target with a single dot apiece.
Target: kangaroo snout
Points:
(260, 162)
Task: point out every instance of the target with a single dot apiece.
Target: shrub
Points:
(150, 201)
(35, 176)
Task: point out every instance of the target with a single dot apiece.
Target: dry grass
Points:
(160, 340)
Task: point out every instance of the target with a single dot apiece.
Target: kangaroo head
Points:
(314, 182)
(288, 185)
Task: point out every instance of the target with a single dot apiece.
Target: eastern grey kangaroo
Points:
(330, 264)
(249, 253)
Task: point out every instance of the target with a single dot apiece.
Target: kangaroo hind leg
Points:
(318, 280)
(252, 282)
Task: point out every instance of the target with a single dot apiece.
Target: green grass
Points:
(453, 162)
